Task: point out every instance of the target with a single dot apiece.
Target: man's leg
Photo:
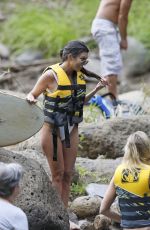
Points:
(106, 35)
(112, 87)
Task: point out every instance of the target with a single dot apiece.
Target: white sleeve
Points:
(20, 221)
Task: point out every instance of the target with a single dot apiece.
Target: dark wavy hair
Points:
(75, 48)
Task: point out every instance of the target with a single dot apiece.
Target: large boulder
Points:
(106, 138)
(33, 143)
(38, 198)
(109, 137)
(136, 58)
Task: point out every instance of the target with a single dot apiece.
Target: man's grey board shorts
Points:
(106, 34)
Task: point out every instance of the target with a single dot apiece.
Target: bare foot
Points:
(73, 226)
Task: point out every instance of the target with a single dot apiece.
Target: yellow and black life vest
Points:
(133, 190)
(135, 182)
(66, 103)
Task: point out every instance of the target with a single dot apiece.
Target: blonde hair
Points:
(137, 150)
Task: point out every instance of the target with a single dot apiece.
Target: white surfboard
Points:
(19, 120)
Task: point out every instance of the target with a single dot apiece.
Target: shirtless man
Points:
(109, 29)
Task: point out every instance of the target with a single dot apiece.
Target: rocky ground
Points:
(101, 141)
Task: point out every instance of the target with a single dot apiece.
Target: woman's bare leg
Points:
(69, 155)
(61, 169)
(56, 167)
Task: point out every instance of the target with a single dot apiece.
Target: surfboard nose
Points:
(18, 119)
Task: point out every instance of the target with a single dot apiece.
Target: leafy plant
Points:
(78, 189)
(139, 19)
(92, 114)
(48, 25)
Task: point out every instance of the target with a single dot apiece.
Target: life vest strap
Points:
(55, 144)
(54, 133)
(71, 87)
(54, 108)
(137, 199)
(53, 99)
(72, 112)
(67, 136)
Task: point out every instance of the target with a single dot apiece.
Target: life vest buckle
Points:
(77, 113)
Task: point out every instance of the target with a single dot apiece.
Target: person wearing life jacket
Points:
(131, 184)
(64, 88)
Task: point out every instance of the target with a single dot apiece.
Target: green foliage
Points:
(81, 138)
(82, 172)
(35, 25)
(104, 179)
(78, 189)
(92, 114)
(47, 29)
(38, 28)
(139, 21)
(86, 177)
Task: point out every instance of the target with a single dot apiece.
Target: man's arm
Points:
(123, 21)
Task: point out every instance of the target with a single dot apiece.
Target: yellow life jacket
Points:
(136, 182)
(65, 86)
(65, 104)
(132, 189)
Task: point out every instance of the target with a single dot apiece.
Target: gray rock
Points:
(102, 222)
(2, 17)
(94, 189)
(109, 137)
(73, 217)
(4, 51)
(99, 170)
(38, 198)
(136, 58)
(86, 206)
(86, 225)
(29, 56)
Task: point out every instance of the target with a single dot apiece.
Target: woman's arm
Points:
(109, 197)
(103, 83)
(42, 84)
